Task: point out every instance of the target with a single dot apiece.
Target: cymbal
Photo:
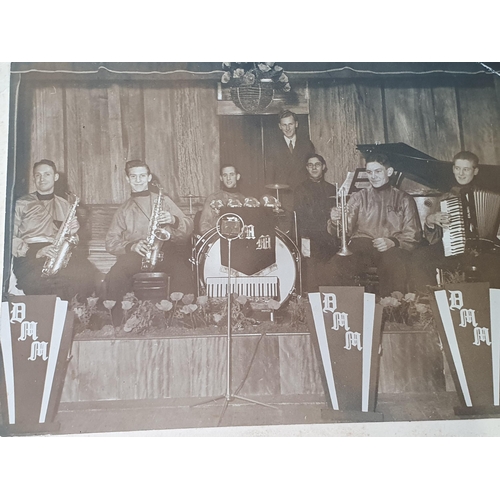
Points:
(277, 186)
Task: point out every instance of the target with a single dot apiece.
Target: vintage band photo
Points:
(220, 244)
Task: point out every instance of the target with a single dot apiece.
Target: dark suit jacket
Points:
(284, 167)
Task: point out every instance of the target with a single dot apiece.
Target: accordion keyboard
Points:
(454, 234)
(250, 286)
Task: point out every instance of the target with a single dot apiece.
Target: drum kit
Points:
(286, 270)
(277, 209)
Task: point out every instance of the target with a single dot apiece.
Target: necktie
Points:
(290, 146)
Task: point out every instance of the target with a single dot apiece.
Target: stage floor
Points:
(120, 416)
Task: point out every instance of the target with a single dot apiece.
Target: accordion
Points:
(474, 216)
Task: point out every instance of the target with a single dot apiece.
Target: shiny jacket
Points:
(131, 222)
(34, 221)
(385, 212)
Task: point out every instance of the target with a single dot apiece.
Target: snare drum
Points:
(207, 253)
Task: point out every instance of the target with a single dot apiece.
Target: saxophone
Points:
(156, 235)
(64, 243)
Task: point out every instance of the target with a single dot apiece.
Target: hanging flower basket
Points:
(253, 98)
(253, 84)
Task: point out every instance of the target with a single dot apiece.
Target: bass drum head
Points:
(285, 267)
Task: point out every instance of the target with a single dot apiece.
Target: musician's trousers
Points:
(426, 260)
(391, 267)
(120, 278)
(78, 278)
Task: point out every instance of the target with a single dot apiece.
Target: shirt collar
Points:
(139, 193)
(41, 197)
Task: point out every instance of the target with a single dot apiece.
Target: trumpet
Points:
(342, 225)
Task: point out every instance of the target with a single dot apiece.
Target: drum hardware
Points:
(277, 187)
(190, 197)
(230, 226)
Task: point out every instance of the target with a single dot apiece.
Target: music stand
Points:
(230, 226)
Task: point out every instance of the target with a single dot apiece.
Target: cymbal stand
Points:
(229, 395)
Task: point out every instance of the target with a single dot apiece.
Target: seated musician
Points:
(229, 177)
(383, 225)
(38, 218)
(129, 230)
(477, 258)
(313, 200)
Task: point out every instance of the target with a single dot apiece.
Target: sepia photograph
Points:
(264, 245)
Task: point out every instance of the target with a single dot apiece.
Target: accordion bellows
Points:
(475, 215)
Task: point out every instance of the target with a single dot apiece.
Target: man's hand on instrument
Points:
(440, 218)
(166, 218)
(335, 214)
(383, 244)
(140, 247)
(47, 251)
(74, 226)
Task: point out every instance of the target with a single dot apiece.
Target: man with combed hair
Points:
(229, 178)
(37, 219)
(480, 258)
(383, 225)
(286, 156)
(313, 200)
(126, 237)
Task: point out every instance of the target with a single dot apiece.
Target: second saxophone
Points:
(156, 235)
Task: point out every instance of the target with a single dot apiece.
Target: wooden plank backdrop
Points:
(342, 116)
(90, 130)
(424, 118)
(480, 121)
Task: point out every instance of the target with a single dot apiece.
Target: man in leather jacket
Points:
(383, 225)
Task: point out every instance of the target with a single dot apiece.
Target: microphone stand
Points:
(229, 395)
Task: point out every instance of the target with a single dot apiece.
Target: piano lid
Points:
(424, 169)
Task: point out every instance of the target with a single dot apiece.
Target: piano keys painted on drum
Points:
(473, 216)
(249, 286)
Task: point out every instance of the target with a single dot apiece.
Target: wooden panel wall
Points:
(480, 120)
(438, 120)
(90, 132)
(423, 118)
(342, 116)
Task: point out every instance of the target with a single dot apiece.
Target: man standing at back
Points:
(287, 156)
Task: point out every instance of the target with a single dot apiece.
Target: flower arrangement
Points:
(407, 309)
(181, 310)
(247, 73)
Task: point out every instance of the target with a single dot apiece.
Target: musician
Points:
(286, 155)
(229, 178)
(383, 225)
(313, 200)
(477, 258)
(126, 237)
(37, 219)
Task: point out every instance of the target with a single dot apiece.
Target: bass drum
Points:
(286, 268)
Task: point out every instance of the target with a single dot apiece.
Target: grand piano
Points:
(432, 174)
(425, 177)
